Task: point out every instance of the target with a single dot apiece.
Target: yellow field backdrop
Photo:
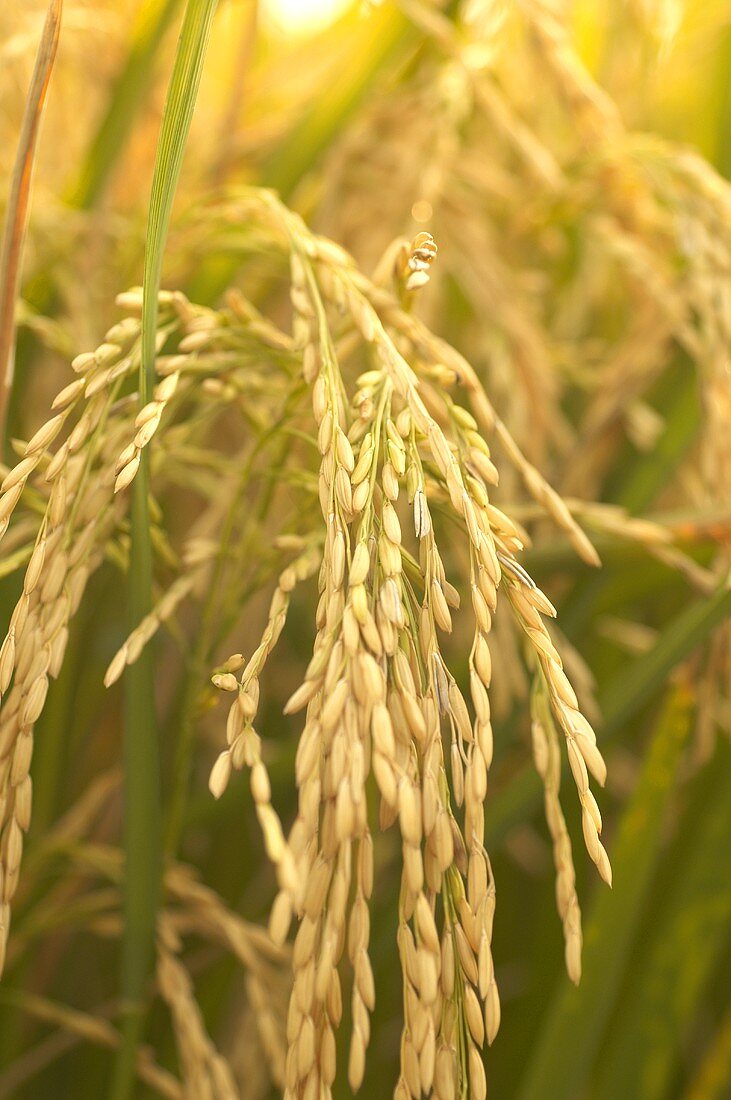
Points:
(364, 575)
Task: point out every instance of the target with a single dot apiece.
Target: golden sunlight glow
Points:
(303, 17)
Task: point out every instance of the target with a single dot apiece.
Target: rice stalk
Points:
(141, 755)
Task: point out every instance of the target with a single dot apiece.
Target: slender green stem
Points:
(142, 817)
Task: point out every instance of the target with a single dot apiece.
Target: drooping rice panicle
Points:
(380, 699)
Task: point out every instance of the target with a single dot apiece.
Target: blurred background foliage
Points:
(571, 162)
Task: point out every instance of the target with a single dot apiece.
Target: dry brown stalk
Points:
(16, 212)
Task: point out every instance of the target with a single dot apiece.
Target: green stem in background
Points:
(634, 686)
(635, 482)
(669, 972)
(141, 802)
(142, 817)
(16, 214)
(125, 97)
(714, 1075)
(578, 1018)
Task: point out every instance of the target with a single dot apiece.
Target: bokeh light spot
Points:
(303, 17)
(421, 211)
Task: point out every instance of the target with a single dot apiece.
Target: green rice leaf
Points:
(573, 1030)
(713, 1080)
(643, 678)
(633, 688)
(685, 935)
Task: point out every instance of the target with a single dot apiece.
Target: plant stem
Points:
(142, 817)
(16, 214)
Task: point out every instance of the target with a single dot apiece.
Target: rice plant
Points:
(392, 500)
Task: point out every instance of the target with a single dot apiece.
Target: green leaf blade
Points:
(562, 1063)
(686, 933)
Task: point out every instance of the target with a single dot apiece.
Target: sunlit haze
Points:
(301, 17)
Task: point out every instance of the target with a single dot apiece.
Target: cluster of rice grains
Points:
(68, 506)
(550, 230)
(380, 700)
(72, 490)
(403, 462)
